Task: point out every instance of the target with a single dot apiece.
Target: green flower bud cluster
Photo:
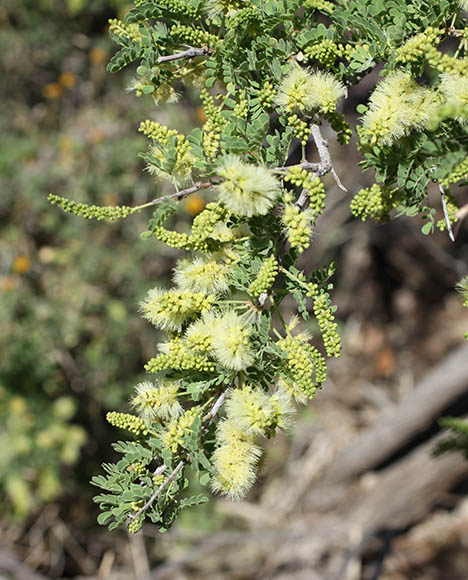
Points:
(179, 430)
(213, 125)
(161, 135)
(173, 239)
(325, 52)
(241, 108)
(193, 36)
(266, 95)
(315, 188)
(265, 277)
(242, 18)
(175, 6)
(90, 212)
(136, 524)
(179, 357)
(322, 5)
(420, 46)
(205, 222)
(316, 191)
(452, 209)
(156, 131)
(304, 364)
(131, 423)
(139, 469)
(298, 226)
(300, 128)
(342, 128)
(372, 202)
(122, 29)
(328, 326)
(206, 231)
(446, 63)
(460, 173)
(353, 51)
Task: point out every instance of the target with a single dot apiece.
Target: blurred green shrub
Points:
(71, 343)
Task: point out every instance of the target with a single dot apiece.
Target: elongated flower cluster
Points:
(298, 226)
(247, 190)
(265, 277)
(126, 421)
(396, 107)
(304, 365)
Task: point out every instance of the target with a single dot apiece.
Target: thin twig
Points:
(326, 165)
(191, 52)
(215, 408)
(169, 479)
(308, 165)
(446, 216)
(177, 194)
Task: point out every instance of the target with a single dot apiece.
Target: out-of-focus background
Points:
(353, 492)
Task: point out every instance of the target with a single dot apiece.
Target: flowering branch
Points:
(162, 468)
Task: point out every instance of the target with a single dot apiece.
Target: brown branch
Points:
(442, 386)
(191, 52)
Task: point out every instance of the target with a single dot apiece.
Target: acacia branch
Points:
(170, 478)
(191, 52)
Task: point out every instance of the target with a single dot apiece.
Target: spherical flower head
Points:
(170, 309)
(304, 90)
(291, 389)
(454, 87)
(396, 107)
(254, 412)
(247, 190)
(201, 275)
(199, 335)
(230, 342)
(234, 462)
(324, 91)
(151, 401)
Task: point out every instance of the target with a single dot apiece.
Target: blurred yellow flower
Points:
(52, 91)
(21, 264)
(67, 80)
(98, 55)
(194, 204)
